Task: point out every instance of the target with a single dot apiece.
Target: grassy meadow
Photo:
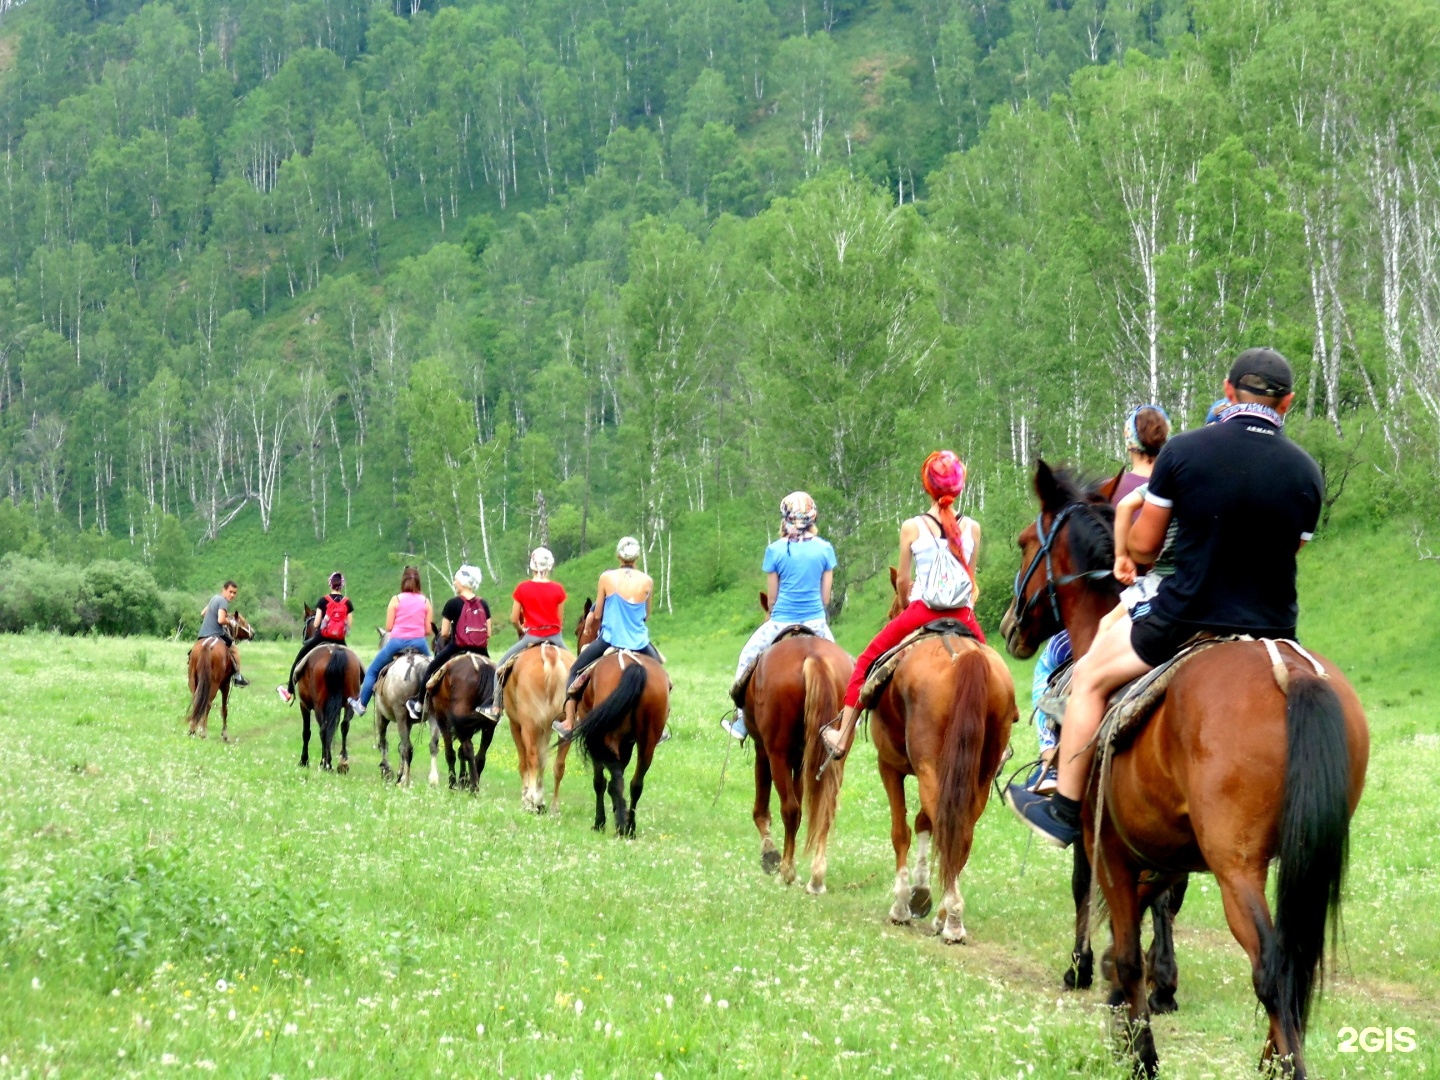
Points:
(175, 905)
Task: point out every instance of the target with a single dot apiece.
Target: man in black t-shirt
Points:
(1244, 500)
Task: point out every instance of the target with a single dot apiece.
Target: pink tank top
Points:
(409, 617)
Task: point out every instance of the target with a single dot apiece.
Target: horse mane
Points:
(1092, 534)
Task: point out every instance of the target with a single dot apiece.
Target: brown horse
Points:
(534, 696)
(1243, 762)
(945, 718)
(622, 710)
(454, 710)
(326, 678)
(796, 689)
(211, 669)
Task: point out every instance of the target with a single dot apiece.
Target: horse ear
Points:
(434, 630)
(308, 609)
(1047, 487)
(894, 578)
(765, 602)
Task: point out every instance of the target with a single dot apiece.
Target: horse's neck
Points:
(1082, 619)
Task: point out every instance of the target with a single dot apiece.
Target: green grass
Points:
(168, 901)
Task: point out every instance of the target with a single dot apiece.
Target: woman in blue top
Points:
(800, 568)
(622, 604)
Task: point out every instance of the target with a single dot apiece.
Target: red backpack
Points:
(335, 622)
(472, 629)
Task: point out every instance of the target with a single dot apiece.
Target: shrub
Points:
(43, 595)
(121, 598)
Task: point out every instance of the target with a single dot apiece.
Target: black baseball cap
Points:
(1262, 371)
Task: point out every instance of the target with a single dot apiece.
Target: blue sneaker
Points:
(1042, 781)
(735, 728)
(1038, 812)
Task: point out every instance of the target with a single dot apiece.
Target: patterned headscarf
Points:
(797, 516)
(1132, 434)
(469, 577)
(628, 549)
(943, 475)
(542, 561)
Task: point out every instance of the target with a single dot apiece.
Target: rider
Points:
(1244, 500)
(458, 634)
(1146, 429)
(537, 610)
(799, 568)
(921, 541)
(407, 618)
(331, 622)
(622, 606)
(215, 622)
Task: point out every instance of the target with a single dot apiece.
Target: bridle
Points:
(1053, 585)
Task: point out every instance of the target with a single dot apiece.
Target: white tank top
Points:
(922, 551)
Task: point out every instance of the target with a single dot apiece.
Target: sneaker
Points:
(664, 736)
(285, 695)
(355, 706)
(1038, 813)
(735, 729)
(239, 680)
(560, 729)
(1043, 781)
(414, 708)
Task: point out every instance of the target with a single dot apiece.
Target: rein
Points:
(1052, 585)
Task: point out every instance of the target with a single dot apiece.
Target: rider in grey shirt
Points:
(215, 622)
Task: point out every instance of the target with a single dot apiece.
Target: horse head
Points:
(584, 632)
(243, 630)
(765, 602)
(897, 602)
(1061, 584)
(310, 623)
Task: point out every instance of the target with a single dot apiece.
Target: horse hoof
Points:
(343, 768)
(900, 914)
(770, 861)
(953, 937)
(1163, 1003)
(815, 890)
(920, 902)
(1077, 978)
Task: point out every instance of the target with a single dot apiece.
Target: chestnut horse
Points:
(534, 696)
(1242, 763)
(945, 718)
(327, 676)
(796, 689)
(211, 670)
(622, 710)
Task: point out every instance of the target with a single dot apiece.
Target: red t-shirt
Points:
(540, 606)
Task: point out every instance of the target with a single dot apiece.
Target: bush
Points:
(180, 613)
(121, 598)
(107, 597)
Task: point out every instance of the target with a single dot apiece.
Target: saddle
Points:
(738, 687)
(391, 663)
(475, 659)
(880, 673)
(503, 671)
(577, 684)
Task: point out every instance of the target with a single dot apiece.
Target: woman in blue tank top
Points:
(799, 568)
(622, 603)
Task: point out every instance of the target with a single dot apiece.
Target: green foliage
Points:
(106, 597)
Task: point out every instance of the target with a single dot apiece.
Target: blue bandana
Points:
(1254, 411)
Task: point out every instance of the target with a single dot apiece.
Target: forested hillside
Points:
(453, 278)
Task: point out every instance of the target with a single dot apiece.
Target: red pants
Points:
(896, 630)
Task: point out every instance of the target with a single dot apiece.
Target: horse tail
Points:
(822, 795)
(200, 699)
(337, 665)
(960, 759)
(1314, 849)
(614, 710)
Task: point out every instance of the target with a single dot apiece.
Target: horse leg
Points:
(525, 756)
(1081, 972)
(1122, 895)
(1242, 890)
(599, 825)
(304, 736)
(1163, 972)
(637, 783)
(405, 749)
(769, 857)
(449, 734)
(477, 758)
(434, 752)
(225, 712)
(894, 782)
(617, 799)
(949, 920)
(345, 740)
(560, 756)
(381, 725)
(920, 897)
(788, 789)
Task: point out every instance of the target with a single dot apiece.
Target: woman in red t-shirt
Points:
(538, 612)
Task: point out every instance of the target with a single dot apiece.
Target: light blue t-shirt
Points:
(800, 565)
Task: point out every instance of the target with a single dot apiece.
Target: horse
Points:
(453, 707)
(402, 679)
(534, 696)
(622, 710)
(795, 690)
(945, 718)
(211, 669)
(328, 676)
(1247, 759)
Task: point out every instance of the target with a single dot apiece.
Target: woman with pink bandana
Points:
(921, 540)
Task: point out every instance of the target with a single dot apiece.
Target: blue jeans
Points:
(388, 652)
(1055, 653)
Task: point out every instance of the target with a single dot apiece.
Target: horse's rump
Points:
(738, 687)
(885, 666)
(640, 680)
(478, 662)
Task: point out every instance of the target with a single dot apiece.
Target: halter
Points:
(1052, 583)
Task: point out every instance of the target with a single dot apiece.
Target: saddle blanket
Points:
(381, 673)
(883, 669)
(503, 671)
(738, 687)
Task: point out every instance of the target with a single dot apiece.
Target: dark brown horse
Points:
(454, 709)
(622, 712)
(1242, 763)
(797, 688)
(945, 718)
(211, 669)
(326, 678)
